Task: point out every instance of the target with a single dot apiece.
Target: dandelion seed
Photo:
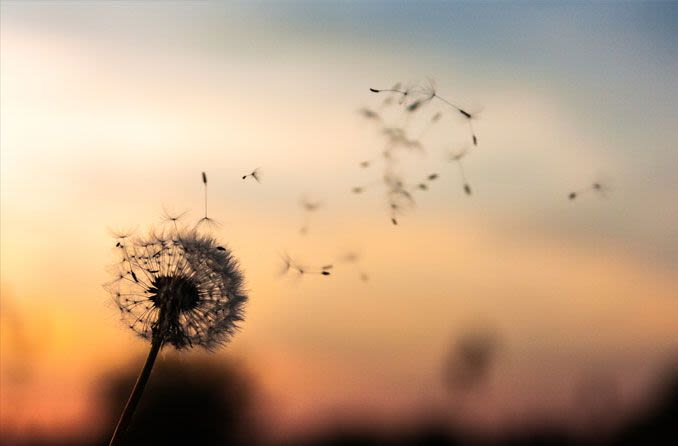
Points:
(287, 264)
(354, 259)
(308, 206)
(185, 292)
(291, 265)
(173, 217)
(396, 89)
(414, 106)
(256, 174)
(430, 92)
(357, 190)
(122, 234)
(206, 220)
(369, 114)
(596, 187)
(457, 157)
(365, 164)
(432, 177)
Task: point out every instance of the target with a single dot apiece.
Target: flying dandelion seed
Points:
(308, 206)
(596, 187)
(354, 259)
(369, 114)
(172, 217)
(210, 222)
(399, 137)
(429, 92)
(291, 265)
(256, 174)
(403, 92)
(457, 157)
(424, 185)
(181, 289)
(398, 196)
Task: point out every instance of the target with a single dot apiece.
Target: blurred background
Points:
(512, 315)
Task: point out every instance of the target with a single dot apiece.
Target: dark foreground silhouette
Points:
(192, 402)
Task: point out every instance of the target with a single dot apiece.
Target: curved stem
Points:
(135, 396)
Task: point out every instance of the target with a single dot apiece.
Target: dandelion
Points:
(181, 289)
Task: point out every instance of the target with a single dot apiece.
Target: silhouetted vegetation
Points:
(190, 402)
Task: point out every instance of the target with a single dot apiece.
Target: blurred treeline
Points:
(205, 402)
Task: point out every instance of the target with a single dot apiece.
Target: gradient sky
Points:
(110, 111)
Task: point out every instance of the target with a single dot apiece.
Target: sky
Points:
(109, 111)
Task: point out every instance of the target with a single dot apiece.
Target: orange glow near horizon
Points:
(100, 131)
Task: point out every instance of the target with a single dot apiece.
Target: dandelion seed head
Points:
(181, 286)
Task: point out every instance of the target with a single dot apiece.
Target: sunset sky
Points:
(110, 111)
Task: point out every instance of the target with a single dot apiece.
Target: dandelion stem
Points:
(135, 396)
